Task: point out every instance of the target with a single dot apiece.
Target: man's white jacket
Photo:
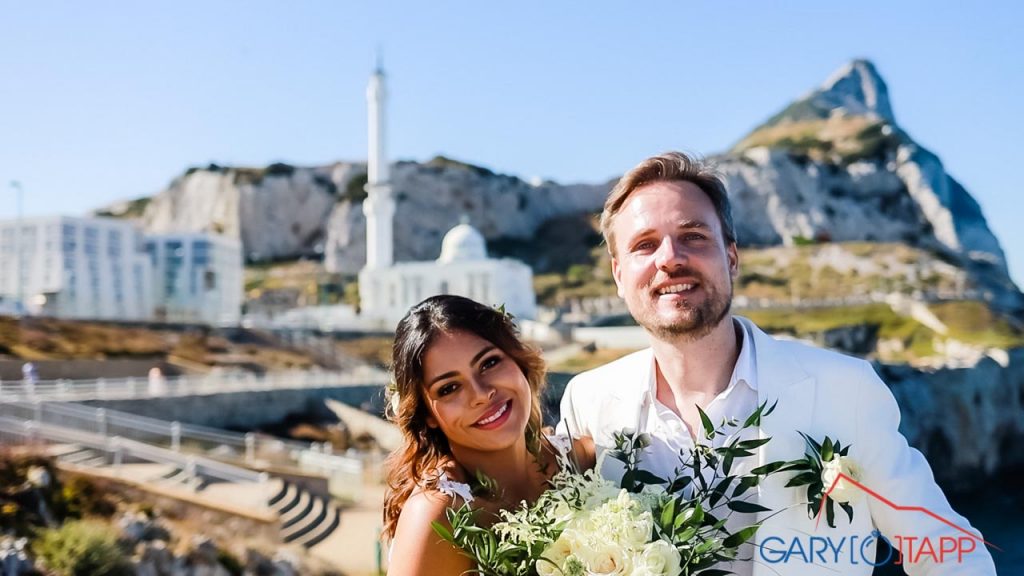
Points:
(819, 393)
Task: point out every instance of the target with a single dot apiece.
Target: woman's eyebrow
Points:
(451, 373)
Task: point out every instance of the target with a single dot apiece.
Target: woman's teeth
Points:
(495, 416)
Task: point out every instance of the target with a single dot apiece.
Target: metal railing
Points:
(190, 385)
(175, 436)
(345, 473)
(122, 451)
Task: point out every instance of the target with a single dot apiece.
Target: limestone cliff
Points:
(833, 165)
(278, 212)
(432, 197)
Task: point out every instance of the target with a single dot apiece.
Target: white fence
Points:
(346, 473)
(128, 388)
(120, 451)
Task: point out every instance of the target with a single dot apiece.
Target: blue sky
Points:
(101, 101)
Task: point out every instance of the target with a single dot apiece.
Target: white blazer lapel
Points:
(783, 382)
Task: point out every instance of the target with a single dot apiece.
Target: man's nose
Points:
(670, 255)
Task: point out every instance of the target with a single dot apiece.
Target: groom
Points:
(668, 226)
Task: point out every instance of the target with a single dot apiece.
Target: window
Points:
(114, 243)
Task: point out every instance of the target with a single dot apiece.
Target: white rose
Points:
(637, 532)
(844, 491)
(552, 560)
(659, 558)
(605, 560)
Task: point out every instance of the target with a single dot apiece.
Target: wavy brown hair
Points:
(425, 451)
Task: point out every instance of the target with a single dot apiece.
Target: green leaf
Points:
(668, 514)
(803, 479)
(826, 450)
(746, 507)
(442, 531)
(694, 516)
(679, 484)
(719, 491)
(811, 443)
(752, 444)
(709, 429)
(746, 483)
(768, 468)
(645, 477)
(848, 509)
(743, 535)
(830, 513)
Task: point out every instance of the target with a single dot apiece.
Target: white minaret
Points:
(379, 206)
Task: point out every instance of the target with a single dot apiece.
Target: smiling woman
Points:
(466, 396)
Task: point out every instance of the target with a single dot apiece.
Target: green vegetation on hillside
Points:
(836, 139)
(131, 209)
(53, 339)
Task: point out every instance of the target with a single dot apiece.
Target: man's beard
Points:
(697, 322)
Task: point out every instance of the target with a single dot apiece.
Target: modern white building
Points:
(386, 294)
(387, 289)
(197, 277)
(75, 268)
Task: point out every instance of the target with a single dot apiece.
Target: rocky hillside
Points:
(832, 166)
(835, 165)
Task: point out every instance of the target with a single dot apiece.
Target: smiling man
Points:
(669, 229)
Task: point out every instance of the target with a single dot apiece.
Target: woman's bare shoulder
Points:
(417, 549)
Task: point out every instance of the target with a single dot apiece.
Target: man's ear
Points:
(617, 275)
(734, 260)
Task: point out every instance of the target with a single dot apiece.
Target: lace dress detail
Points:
(454, 489)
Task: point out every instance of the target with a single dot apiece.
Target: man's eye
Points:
(645, 245)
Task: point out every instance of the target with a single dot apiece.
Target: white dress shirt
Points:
(671, 439)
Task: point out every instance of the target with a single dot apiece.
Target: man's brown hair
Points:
(669, 167)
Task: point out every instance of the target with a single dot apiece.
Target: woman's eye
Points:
(446, 389)
(490, 362)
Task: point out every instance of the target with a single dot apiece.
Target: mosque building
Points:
(388, 289)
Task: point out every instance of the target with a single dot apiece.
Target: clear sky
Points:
(102, 101)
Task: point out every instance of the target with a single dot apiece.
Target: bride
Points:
(466, 397)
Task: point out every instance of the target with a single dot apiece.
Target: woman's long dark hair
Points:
(425, 451)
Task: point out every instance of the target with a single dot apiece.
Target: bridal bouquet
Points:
(644, 525)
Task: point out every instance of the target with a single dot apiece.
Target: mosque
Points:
(388, 289)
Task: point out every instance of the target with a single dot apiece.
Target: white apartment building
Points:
(197, 277)
(75, 268)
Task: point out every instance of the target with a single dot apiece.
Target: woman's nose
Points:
(482, 391)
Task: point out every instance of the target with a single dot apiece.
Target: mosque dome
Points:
(463, 242)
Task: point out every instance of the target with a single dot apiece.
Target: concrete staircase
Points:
(306, 518)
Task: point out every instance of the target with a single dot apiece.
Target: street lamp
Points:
(16, 186)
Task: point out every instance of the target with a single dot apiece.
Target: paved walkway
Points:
(353, 547)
